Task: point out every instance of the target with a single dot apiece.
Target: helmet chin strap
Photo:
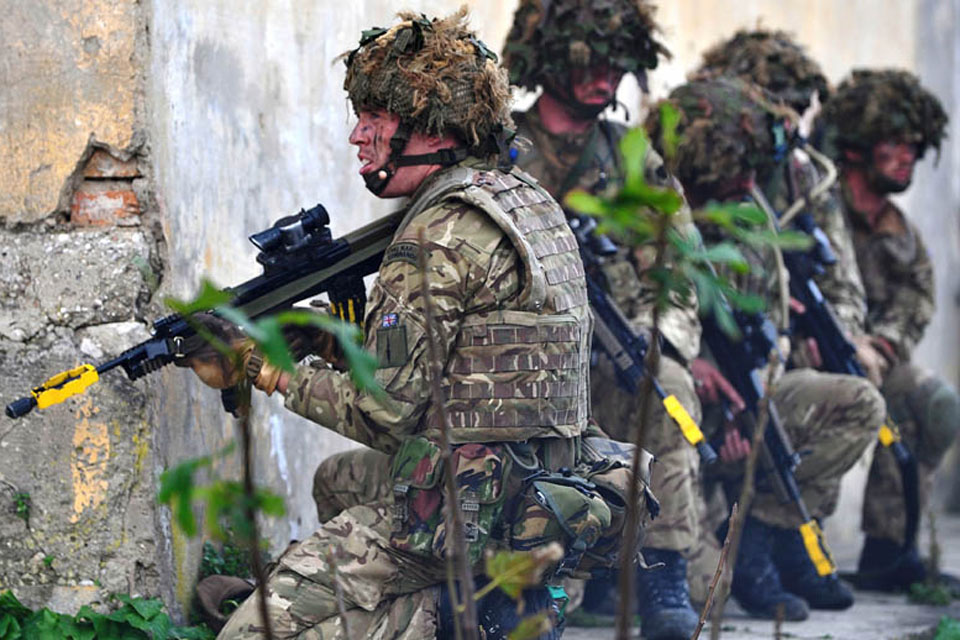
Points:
(377, 181)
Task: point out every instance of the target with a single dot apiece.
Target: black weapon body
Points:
(742, 362)
(614, 336)
(300, 260)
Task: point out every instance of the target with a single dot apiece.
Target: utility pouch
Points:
(559, 507)
(479, 471)
(606, 463)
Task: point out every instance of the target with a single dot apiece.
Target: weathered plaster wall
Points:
(69, 73)
(76, 241)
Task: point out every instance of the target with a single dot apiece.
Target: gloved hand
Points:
(213, 368)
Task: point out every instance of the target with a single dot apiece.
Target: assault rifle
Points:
(742, 363)
(300, 260)
(614, 336)
(837, 353)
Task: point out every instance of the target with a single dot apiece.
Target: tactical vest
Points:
(518, 373)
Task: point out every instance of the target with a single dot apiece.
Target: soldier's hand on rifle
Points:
(216, 369)
(735, 447)
(807, 353)
(712, 387)
(871, 356)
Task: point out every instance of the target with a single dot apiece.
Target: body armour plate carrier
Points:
(520, 373)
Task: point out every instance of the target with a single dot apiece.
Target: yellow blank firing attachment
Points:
(888, 436)
(64, 385)
(817, 549)
(689, 428)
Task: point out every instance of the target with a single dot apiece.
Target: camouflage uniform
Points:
(513, 332)
(871, 107)
(551, 159)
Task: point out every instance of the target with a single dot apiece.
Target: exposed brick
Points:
(97, 203)
(103, 165)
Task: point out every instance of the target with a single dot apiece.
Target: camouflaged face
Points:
(725, 131)
(435, 74)
(549, 38)
(872, 106)
(769, 59)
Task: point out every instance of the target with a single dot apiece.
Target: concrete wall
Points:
(217, 118)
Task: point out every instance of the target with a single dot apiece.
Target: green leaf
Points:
(177, 490)
(669, 119)
(210, 297)
(531, 627)
(633, 148)
(514, 571)
(582, 202)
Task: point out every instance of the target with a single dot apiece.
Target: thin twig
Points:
(457, 562)
(778, 621)
(632, 524)
(338, 590)
(747, 491)
(716, 578)
(249, 494)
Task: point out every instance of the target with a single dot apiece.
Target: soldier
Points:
(432, 109)
(577, 52)
(877, 126)
(726, 142)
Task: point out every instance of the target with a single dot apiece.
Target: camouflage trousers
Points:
(830, 419)
(347, 564)
(351, 478)
(676, 470)
(925, 409)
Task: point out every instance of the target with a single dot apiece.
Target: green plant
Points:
(932, 594)
(948, 629)
(134, 619)
(227, 559)
(21, 504)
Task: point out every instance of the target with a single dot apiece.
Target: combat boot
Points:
(498, 614)
(887, 566)
(663, 597)
(756, 581)
(800, 577)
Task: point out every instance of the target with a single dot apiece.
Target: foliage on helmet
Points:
(435, 74)
(873, 106)
(551, 37)
(725, 131)
(768, 59)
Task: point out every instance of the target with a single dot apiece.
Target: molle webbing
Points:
(518, 373)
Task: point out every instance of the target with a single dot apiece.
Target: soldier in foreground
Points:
(726, 143)
(577, 53)
(432, 108)
(877, 126)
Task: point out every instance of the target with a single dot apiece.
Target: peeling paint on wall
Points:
(88, 461)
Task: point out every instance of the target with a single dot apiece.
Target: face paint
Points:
(372, 135)
(891, 166)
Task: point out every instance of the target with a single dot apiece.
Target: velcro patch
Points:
(392, 346)
(402, 252)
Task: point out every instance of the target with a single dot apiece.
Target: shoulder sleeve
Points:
(467, 265)
(905, 316)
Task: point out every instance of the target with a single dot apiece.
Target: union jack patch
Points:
(389, 320)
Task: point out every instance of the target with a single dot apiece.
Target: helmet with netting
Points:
(769, 59)
(435, 74)
(551, 37)
(725, 131)
(873, 106)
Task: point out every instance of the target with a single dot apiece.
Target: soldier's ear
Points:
(854, 157)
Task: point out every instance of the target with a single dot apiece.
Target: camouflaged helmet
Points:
(876, 105)
(435, 74)
(550, 37)
(768, 59)
(726, 129)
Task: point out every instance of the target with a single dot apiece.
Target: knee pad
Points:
(935, 406)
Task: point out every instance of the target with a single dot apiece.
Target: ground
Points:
(874, 616)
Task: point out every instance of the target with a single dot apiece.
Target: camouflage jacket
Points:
(840, 283)
(553, 159)
(897, 275)
(513, 327)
